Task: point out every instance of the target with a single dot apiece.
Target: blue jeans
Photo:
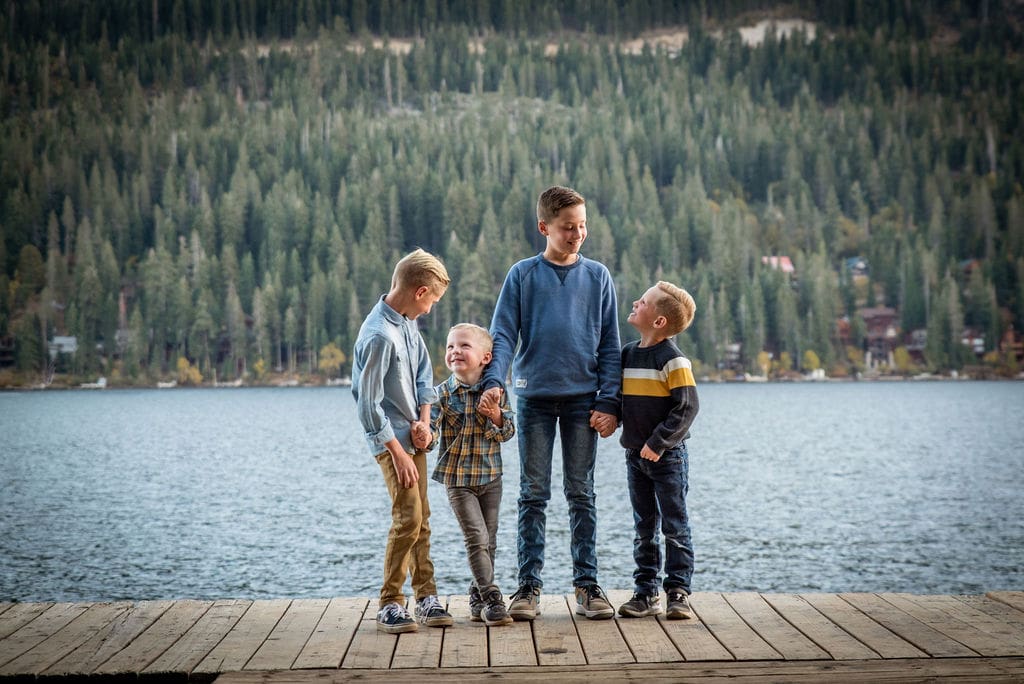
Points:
(537, 420)
(657, 490)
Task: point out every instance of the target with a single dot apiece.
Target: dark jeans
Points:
(537, 421)
(476, 509)
(657, 490)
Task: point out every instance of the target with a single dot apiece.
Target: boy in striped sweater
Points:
(659, 402)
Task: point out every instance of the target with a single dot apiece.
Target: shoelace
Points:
(523, 592)
(429, 603)
(394, 611)
(593, 591)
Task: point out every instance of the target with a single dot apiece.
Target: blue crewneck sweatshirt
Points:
(564, 320)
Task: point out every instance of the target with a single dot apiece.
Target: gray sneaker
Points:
(431, 613)
(525, 603)
(476, 605)
(678, 605)
(641, 605)
(592, 602)
(494, 613)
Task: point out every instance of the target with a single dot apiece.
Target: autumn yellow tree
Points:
(331, 359)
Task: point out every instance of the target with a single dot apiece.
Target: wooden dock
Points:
(750, 637)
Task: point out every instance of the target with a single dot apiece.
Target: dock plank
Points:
(333, 634)
(996, 609)
(289, 636)
(182, 638)
(512, 645)
(244, 638)
(65, 640)
(803, 616)
(927, 639)
(17, 616)
(421, 648)
(1014, 599)
(875, 636)
(730, 629)
(930, 610)
(602, 640)
(370, 649)
(111, 640)
(645, 636)
(465, 645)
(46, 623)
(773, 628)
(555, 637)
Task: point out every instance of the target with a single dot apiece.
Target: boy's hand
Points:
(488, 405)
(490, 397)
(604, 423)
(650, 454)
(420, 434)
(405, 467)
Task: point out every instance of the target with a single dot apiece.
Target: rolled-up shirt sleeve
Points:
(376, 357)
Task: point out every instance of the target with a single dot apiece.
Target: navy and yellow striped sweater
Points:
(659, 396)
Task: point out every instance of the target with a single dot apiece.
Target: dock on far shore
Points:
(742, 636)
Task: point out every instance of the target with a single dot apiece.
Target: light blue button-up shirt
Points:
(391, 377)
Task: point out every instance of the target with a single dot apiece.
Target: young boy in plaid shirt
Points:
(471, 428)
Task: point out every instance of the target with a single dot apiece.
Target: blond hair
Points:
(482, 335)
(677, 306)
(554, 199)
(420, 269)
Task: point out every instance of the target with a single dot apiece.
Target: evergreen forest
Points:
(208, 190)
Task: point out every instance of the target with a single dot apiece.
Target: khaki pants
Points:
(408, 548)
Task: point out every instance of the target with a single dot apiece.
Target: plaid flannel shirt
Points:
(470, 444)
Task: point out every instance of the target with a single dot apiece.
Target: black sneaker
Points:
(592, 602)
(678, 605)
(494, 612)
(641, 605)
(476, 604)
(394, 619)
(525, 603)
(430, 612)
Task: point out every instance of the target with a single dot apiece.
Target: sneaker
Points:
(394, 619)
(494, 612)
(430, 612)
(592, 602)
(525, 603)
(476, 605)
(678, 605)
(641, 605)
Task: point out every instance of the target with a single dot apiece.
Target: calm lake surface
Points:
(260, 493)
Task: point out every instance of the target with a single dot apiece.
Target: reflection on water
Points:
(257, 493)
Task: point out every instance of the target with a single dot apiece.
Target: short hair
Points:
(482, 335)
(420, 269)
(554, 199)
(676, 305)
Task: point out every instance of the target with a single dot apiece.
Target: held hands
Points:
(490, 404)
(604, 423)
(420, 434)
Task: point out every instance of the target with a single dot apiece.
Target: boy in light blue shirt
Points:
(392, 383)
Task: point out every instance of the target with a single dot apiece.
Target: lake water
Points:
(259, 493)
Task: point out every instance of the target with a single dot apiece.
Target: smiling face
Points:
(466, 354)
(565, 234)
(644, 315)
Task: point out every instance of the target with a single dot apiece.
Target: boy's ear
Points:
(542, 227)
(659, 322)
(486, 358)
(421, 291)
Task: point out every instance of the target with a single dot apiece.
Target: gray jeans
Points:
(476, 509)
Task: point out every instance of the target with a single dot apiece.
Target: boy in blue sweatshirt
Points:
(560, 309)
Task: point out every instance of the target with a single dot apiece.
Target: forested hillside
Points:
(199, 189)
